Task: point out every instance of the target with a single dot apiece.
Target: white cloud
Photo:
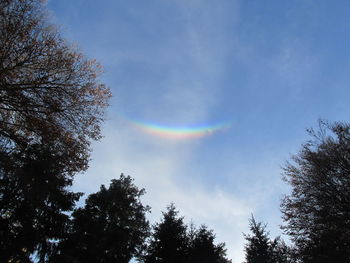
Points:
(160, 167)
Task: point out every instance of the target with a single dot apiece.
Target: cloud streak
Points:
(162, 169)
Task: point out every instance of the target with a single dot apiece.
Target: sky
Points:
(248, 77)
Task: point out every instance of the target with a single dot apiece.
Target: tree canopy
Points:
(32, 204)
(202, 248)
(258, 248)
(173, 241)
(111, 227)
(49, 91)
(51, 107)
(169, 240)
(261, 249)
(317, 212)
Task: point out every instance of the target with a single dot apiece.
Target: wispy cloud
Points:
(161, 168)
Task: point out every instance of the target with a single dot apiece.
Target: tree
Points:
(317, 211)
(51, 107)
(173, 241)
(48, 89)
(282, 253)
(202, 248)
(32, 204)
(169, 240)
(258, 249)
(111, 227)
(261, 249)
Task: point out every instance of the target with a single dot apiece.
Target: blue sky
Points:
(271, 68)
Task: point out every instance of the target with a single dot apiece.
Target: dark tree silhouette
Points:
(48, 90)
(173, 241)
(110, 228)
(51, 106)
(317, 211)
(32, 204)
(169, 241)
(202, 248)
(258, 249)
(261, 249)
(282, 253)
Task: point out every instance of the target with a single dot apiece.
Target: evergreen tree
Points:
(172, 241)
(202, 248)
(34, 203)
(110, 228)
(282, 253)
(260, 249)
(169, 241)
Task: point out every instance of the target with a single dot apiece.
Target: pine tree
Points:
(202, 248)
(173, 241)
(261, 249)
(169, 240)
(111, 227)
(258, 249)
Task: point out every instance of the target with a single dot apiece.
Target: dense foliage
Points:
(51, 107)
(261, 249)
(169, 241)
(317, 211)
(48, 90)
(111, 227)
(172, 241)
(32, 204)
(202, 248)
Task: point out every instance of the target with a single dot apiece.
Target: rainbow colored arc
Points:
(179, 132)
